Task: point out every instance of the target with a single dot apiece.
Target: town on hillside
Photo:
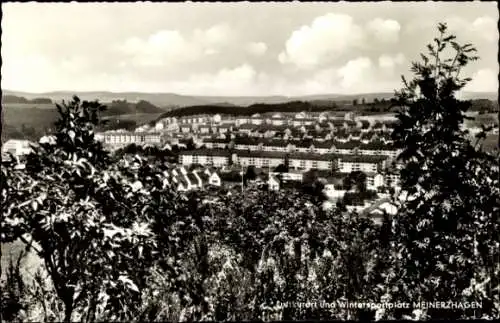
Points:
(351, 157)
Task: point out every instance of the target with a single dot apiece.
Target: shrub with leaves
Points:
(445, 236)
(64, 200)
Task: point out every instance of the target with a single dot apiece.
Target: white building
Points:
(273, 183)
(290, 176)
(364, 163)
(306, 161)
(374, 181)
(17, 147)
(126, 138)
(213, 157)
(261, 159)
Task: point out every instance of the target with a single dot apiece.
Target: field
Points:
(29, 264)
(31, 121)
(140, 118)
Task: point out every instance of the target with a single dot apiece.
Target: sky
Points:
(235, 49)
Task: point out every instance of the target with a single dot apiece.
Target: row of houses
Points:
(375, 147)
(120, 137)
(297, 119)
(182, 180)
(332, 126)
(334, 186)
(206, 123)
(299, 161)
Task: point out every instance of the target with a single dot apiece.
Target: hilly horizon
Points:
(168, 100)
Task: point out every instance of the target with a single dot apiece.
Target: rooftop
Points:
(361, 158)
(206, 152)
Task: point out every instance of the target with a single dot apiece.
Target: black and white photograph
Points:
(250, 161)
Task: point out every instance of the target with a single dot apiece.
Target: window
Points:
(315, 164)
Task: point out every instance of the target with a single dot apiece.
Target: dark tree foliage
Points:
(446, 232)
(357, 179)
(251, 173)
(281, 168)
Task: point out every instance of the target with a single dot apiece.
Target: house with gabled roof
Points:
(378, 126)
(192, 181)
(385, 137)
(366, 137)
(217, 143)
(273, 183)
(365, 126)
(347, 147)
(381, 207)
(303, 146)
(323, 147)
(341, 135)
(246, 143)
(355, 134)
(181, 183)
(379, 148)
(276, 145)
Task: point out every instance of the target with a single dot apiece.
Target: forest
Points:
(116, 243)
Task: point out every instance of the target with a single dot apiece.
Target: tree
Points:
(355, 102)
(281, 169)
(356, 178)
(251, 173)
(445, 235)
(363, 101)
(81, 214)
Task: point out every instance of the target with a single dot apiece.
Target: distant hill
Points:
(158, 99)
(172, 100)
(493, 96)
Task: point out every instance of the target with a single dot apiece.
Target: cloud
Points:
(257, 48)
(486, 27)
(386, 31)
(484, 80)
(232, 81)
(218, 34)
(354, 72)
(388, 61)
(326, 37)
(170, 47)
(161, 48)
